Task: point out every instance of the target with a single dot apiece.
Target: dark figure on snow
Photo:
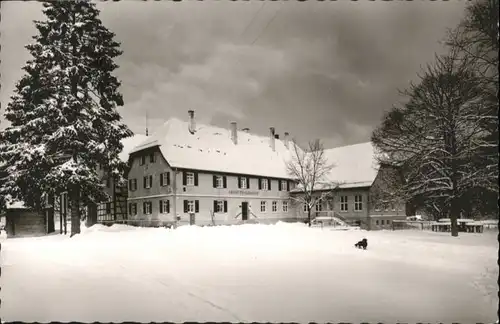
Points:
(363, 244)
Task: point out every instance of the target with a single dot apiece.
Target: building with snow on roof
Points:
(359, 195)
(189, 173)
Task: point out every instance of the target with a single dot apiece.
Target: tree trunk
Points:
(75, 211)
(454, 212)
(309, 216)
(91, 214)
(50, 214)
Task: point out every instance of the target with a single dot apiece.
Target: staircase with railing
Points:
(333, 218)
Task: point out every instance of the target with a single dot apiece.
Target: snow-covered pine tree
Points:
(64, 121)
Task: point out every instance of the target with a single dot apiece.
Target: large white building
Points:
(199, 174)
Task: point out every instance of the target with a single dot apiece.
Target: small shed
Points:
(21, 221)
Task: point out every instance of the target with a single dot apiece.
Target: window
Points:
(263, 206)
(381, 222)
(285, 206)
(219, 183)
(318, 206)
(190, 178)
(275, 206)
(108, 208)
(305, 207)
(386, 206)
(376, 222)
(377, 207)
(358, 203)
(388, 222)
(147, 207)
(132, 209)
(220, 206)
(243, 182)
(343, 203)
(148, 181)
(152, 158)
(165, 179)
(329, 204)
(191, 206)
(265, 184)
(164, 206)
(143, 160)
(283, 185)
(132, 184)
(393, 207)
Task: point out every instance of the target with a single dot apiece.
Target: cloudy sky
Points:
(315, 69)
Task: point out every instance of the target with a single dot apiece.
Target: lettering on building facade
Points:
(243, 193)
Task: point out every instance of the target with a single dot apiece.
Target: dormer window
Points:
(143, 160)
(152, 158)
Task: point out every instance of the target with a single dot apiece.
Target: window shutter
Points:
(168, 206)
(196, 206)
(144, 180)
(239, 182)
(269, 184)
(135, 184)
(161, 179)
(288, 186)
(248, 182)
(168, 178)
(150, 181)
(196, 179)
(130, 185)
(185, 206)
(224, 182)
(161, 207)
(225, 206)
(130, 209)
(215, 206)
(150, 207)
(215, 181)
(260, 183)
(144, 207)
(184, 178)
(279, 185)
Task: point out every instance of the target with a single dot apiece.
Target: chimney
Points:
(246, 129)
(192, 122)
(271, 138)
(286, 139)
(277, 136)
(234, 133)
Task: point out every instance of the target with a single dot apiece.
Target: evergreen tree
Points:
(64, 121)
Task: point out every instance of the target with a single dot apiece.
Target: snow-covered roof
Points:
(129, 143)
(211, 148)
(354, 165)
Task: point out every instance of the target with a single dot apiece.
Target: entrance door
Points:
(192, 219)
(244, 210)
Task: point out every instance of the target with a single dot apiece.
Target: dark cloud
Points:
(316, 69)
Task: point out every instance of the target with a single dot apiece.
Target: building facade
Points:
(206, 175)
(160, 194)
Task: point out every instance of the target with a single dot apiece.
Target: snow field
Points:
(284, 272)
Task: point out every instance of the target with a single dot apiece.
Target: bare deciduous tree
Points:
(438, 137)
(310, 169)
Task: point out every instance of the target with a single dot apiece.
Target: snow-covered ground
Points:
(276, 273)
